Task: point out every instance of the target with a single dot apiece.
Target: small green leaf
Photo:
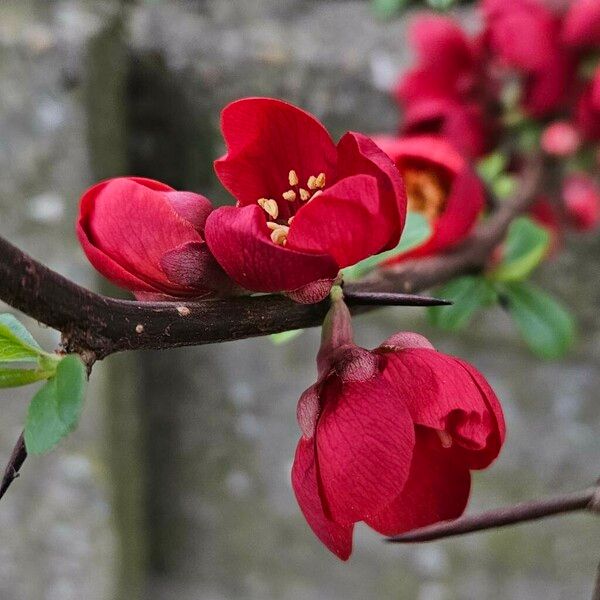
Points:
(441, 5)
(55, 409)
(468, 294)
(16, 343)
(388, 8)
(504, 186)
(547, 328)
(279, 339)
(17, 377)
(417, 230)
(491, 166)
(525, 247)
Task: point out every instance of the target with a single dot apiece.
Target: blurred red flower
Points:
(305, 207)
(440, 184)
(148, 238)
(581, 197)
(389, 437)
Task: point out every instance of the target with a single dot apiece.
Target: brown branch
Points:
(501, 517)
(100, 325)
(596, 592)
(11, 472)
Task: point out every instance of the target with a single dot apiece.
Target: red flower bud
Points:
(560, 138)
(581, 196)
(389, 436)
(148, 238)
(305, 207)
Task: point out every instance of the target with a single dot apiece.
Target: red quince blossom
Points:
(560, 138)
(440, 184)
(443, 94)
(306, 207)
(389, 436)
(581, 26)
(581, 197)
(148, 238)
(588, 109)
(525, 35)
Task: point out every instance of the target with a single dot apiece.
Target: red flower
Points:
(444, 93)
(560, 138)
(148, 238)
(389, 436)
(305, 207)
(581, 197)
(588, 109)
(526, 36)
(581, 27)
(440, 184)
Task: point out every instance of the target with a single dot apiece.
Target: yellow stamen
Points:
(320, 181)
(279, 235)
(445, 438)
(425, 191)
(290, 195)
(272, 225)
(312, 183)
(293, 178)
(304, 195)
(269, 206)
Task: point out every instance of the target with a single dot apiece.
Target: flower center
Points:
(280, 227)
(425, 191)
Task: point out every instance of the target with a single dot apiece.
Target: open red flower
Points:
(305, 207)
(525, 35)
(389, 437)
(440, 184)
(444, 93)
(148, 238)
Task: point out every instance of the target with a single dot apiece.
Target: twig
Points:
(101, 325)
(11, 472)
(596, 592)
(500, 517)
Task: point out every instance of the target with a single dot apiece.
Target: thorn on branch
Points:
(17, 458)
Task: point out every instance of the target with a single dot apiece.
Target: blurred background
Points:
(176, 484)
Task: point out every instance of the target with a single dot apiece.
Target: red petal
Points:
(581, 26)
(365, 438)
(266, 139)
(191, 207)
(450, 395)
(437, 489)
(240, 241)
(343, 222)
(359, 155)
(545, 90)
(337, 538)
(125, 226)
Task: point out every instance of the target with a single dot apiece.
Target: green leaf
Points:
(17, 377)
(491, 166)
(417, 231)
(388, 8)
(441, 5)
(16, 343)
(525, 247)
(468, 294)
(546, 326)
(279, 339)
(55, 409)
(504, 186)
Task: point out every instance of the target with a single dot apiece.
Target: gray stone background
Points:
(176, 485)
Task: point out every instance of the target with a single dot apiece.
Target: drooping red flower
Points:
(305, 207)
(581, 197)
(440, 184)
(444, 93)
(389, 437)
(581, 27)
(588, 109)
(525, 35)
(148, 238)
